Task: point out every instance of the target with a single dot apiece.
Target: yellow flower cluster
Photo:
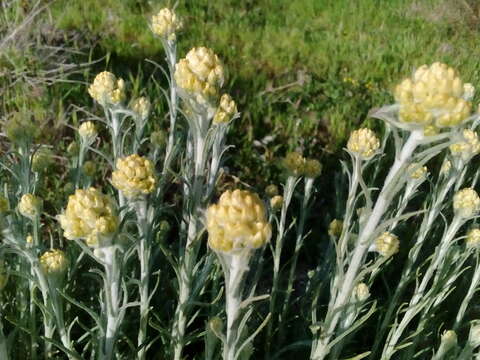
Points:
(468, 148)
(134, 176)
(297, 165)
(30, 206)
(200, 74)
(416, 171)
(87, 132)
(54, 262)
(226, 110)
(89, 215)
(387, 244)
(434, 95)
(364, 143)
(473, 238)
(141, 107)
(466, 203)
(107, 89)
(238, 221)
(166, 24)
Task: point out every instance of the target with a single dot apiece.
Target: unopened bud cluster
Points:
(434, 95)
(417, 172)
(466, 203)
(107, 89)
(387, 244)
(30, 206)
(473, 238)
(54, 262)
(297, 165)
(87, 132)
(361, 292)
(141, 107)
(226, 110)
(335, 228)
(364, 143)
(166, 24)
(468, 147)
(200, 74)
(90, 215)
(238, 221)
(134, 176)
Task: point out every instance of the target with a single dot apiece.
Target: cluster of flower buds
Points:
(434, 96)
(417, 172)
(90, 215)
(387, 244)
(361, 292)
(166, 24)
(466, 203)
(88, 132)
(107, 89)
(468, 147)
(296, 165)
(473, 238)
(30, 206)
(237, 222)
(335, 228)
(200, 74)
(363, 143)
(226, 110)
(134, 176)
(141, 107)
(54, 262)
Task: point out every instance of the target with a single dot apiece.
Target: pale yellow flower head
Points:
(134, 176)
(166, 24)
(364, 143)
(141, 107)
(434, 95)
(335, 228)
(466, 203)
(417, 172)
(276, 202)
(88, 132)
(473, 238)
(200, 74)
(294, 163)
(468, 147)
(238, 221)
(271, 190)
(361, 292)
(30, 206)
(89, 215)
(226, 110)
(107, 89)
(449, 339)
(387, 244)
(54, 262)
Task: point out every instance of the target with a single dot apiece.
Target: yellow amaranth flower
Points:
(387, 244)
(335, 228)
(200, 73)
(88, 132)
(107, 89)
(89, 215)
(166, 24)
(276, 202)
(54, 262)
(473, 238)
(468, 148)
(294, 163)
(30, 206)
(363, 142)
(416, 171)
(466, 203)
(434, 95)
(226, 110)
(361, 292)
(141, 107)
(134, 176)
(238, 221)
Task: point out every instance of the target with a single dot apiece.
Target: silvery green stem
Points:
(218, 146)
(468, 297)
(235, 269)
(277, 252)
(439, 256)
(114, 122)
(334, 313)
(3, 344)
(298, 246)
(81, 156)
(171, 52)
(144, 250)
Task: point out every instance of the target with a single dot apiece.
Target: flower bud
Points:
(473, 239)
(335, 228)
(361, 292)
(468, 147)
(466, 203)
(166, 24)
(87, 132)
(30, 206)
(54, 263)
(364, 143)
(294, 163)
(158, 138)
(237, 222)
(271, 190)
(446, 166)
(417, 172)
(107, 89)
(141, 107)
(134, 176)
(226, 110)
(89, 168)
(312, 168)
(276, 202)
(387, 244)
